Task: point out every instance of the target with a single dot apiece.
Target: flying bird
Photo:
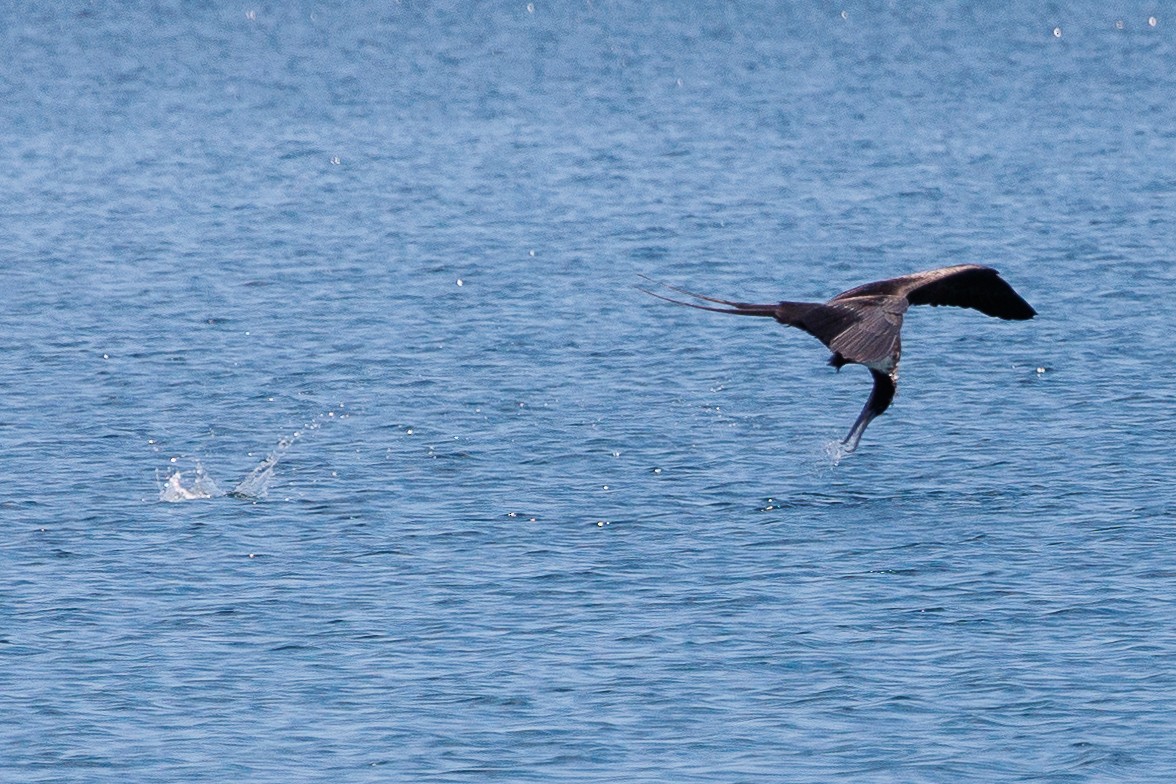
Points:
(861, 326)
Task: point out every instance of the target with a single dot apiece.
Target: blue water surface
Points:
(506, 518)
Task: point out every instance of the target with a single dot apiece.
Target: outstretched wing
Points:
(863, 330)
(963, 286)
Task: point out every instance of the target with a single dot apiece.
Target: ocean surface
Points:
(338, 445)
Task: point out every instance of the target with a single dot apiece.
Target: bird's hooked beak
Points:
(859, 427)
(879, 401)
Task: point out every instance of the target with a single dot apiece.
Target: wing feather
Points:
(963, 286)
(871, 334)
(865, 330)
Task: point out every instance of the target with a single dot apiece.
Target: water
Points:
(507, 518)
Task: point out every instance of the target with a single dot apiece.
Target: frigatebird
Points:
(861, 326)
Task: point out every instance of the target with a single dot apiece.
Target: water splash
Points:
(835, 451)
(173, 489)
(256, 483)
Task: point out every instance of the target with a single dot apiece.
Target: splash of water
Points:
(836, 452)
(256, 483)
(202, 486)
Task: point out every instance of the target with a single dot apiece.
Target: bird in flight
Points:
(861, 326)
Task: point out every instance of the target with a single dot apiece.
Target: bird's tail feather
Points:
(738, 308)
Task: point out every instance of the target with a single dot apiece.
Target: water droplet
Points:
(1057, 32)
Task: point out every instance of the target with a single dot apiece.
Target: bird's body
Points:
(862, 325)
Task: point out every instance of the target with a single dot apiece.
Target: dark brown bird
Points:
(861, 326)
